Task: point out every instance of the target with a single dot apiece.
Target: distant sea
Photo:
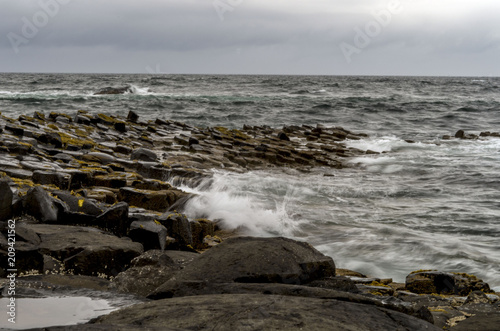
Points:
(425, 204)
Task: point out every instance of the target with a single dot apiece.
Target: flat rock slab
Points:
(87, 251)
(261, 312)
(255, 260)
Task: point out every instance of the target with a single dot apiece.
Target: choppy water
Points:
(430, 204)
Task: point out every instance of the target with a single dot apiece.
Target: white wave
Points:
(138, 90)
(384, 144)
(246, 201)
(43, 94)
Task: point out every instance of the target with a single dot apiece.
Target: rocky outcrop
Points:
(149, 271)
(114, 90)
(86, 251)
(90, 192)
(260, 311)
(253, 260)
(428, 282)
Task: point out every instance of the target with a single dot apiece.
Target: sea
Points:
(424, 202)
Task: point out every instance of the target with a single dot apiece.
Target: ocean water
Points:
(426, 204)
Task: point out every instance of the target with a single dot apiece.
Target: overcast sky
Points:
(327, 37)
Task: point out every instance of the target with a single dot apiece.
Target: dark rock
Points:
(18, 131)
(120, 126)
(51, 138)
(80, 119)
(255, 260)
(151, 185)
(122, 149)
(58, 179)
(102, 158)
(152, 170)
(115, 219)
(39, 204)
(27, 258)
(5, 200)
(339, 283)
(201, 228)
(110, 181)
(178, 227)
(132, 116)
(78, 204)
(113, 90)
(460, 134)
(428, 282)
(283, 136)
(25, 233)
(203, 288)
(80, 179)
(17, 173)
(19, 148)
(479, 322)
(151, 234)
(86, 251)
(143, 154)
(259, 312)
(146, 273)
(193, 141)
(66, 158)
(151, 200)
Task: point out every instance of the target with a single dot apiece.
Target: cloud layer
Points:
(251, 36)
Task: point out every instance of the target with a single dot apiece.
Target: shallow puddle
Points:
(52, 311)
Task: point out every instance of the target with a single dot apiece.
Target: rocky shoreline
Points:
(97, 210)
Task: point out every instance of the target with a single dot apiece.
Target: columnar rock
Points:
(86, 251)
(151, 234)
(39, 204)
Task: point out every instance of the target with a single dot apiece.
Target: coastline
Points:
(68, 176)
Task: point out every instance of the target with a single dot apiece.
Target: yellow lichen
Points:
(375, 283)
(234, 133)
(106, 118)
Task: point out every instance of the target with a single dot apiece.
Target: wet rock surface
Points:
(96, 208)
(260, 311)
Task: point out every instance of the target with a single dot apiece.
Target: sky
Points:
(292, 37)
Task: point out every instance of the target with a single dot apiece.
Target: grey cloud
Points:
(275, 37)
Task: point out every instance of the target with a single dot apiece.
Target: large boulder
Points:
(86, 251)
(261, 312)
(254, 260)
